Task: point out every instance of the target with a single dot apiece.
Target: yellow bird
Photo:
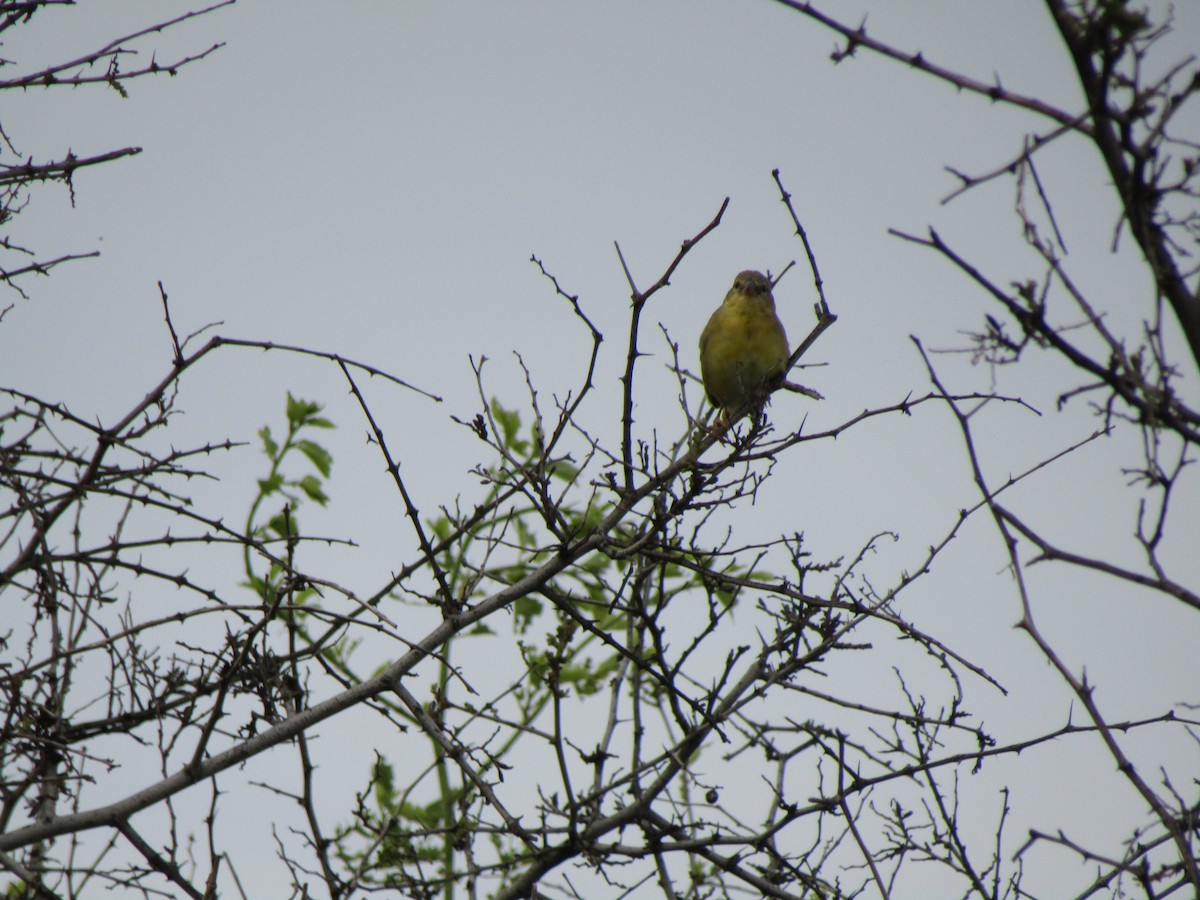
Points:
(743, 346)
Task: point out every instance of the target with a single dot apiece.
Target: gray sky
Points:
(372, 180)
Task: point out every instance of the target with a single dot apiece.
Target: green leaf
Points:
(317, 455)
(596, 565)
(563, 471)
(385, 784)
(268, 486)
(269, 446)
(284, 526)
(587, 680)
(300, 412)
(525, 610)
(508, 420)
(525, 536)
(257, 585)
(592, 517)
(610, 622)
(427, 816)
(513, 574)
(311, 485)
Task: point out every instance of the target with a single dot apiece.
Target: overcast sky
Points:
(372, 178)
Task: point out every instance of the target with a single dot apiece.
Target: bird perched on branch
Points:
(743, 348)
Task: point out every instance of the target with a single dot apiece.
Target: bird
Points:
(743, 348)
